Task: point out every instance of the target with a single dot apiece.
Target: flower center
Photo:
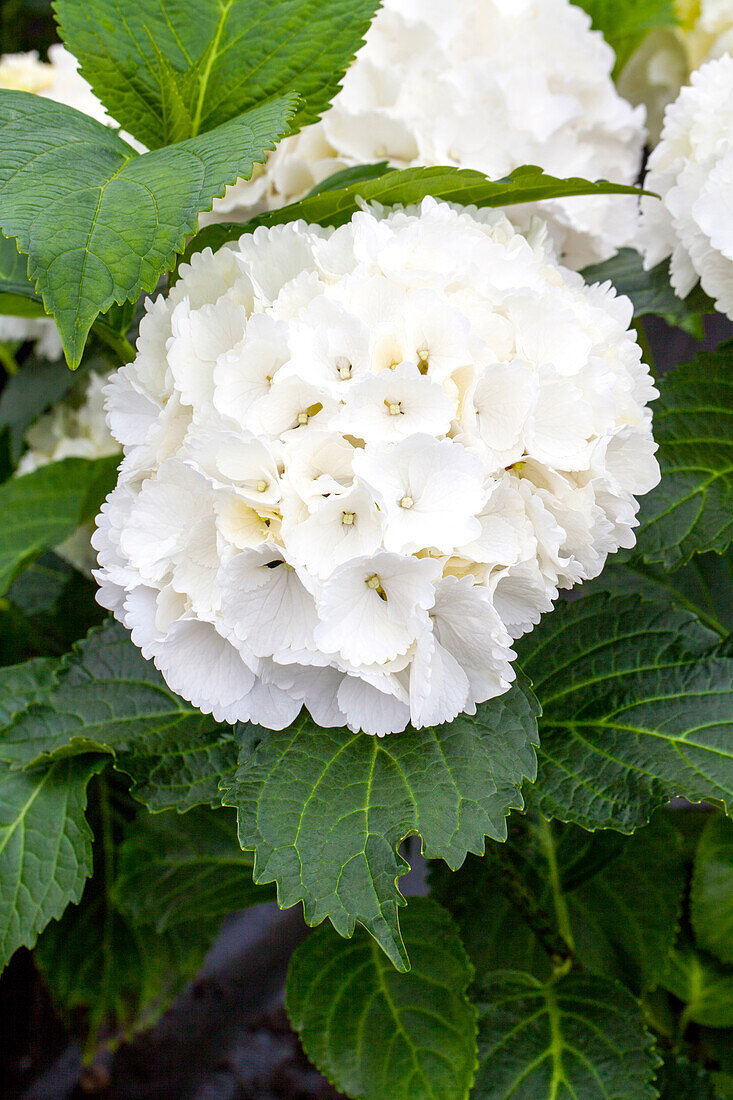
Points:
(347, 518)
(375, 583)
(261, 486)
(406, 502)
(344, 368)
(305, 414)
(394, 408)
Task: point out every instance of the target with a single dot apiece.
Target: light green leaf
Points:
(376, 1033)
(41, 509)
(651, 291)
(178, 868)
(626, 23)
(409, 186)
(702, 984)
(110, 699)
(576, 1037)
(703, 586)
(45, 847)
(99, 223)
(636, 711)
(324, 809)
(227, 56)
(617, 898)
(691, 510)
(711, 898)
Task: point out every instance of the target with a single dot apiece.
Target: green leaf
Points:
(637, 709)
(376, 1033)
(620, 898)
(41, 509)
(325, 809)
(57, 602)
(45, 847)
(574, 1037)
(703, 985)
(409, 186)
(691, 510)
(110, 699)
(178, 868)
(626, 23)
(104, 966)
(99, 223)
(711, 898)
(651, 291)
(24, 684)
(703, 586)
(223, 58)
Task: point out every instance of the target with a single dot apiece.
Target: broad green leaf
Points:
(703, 586)
(651, 291)
(376, 1033)
(41, 509)
(620, 898)
(409, 186)
(626, 23)
(563, 1039)
(636, 710)
(691, 510)
(110, 699)
(104, 969)
(324, 809)
(360, 172)
(220, 57)
(45, 847)
(703, 985)
(711, 898)
(99, 223)
(24, 684)
(178, 868)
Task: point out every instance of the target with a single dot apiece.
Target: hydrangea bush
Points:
(399, 531)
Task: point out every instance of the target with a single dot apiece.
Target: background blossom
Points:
(692, 170)
(482, 84)
(273, 541)
(668, 56)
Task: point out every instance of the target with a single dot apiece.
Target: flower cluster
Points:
(668, 56)
(358, 462)
(692, 170)
(482, 84)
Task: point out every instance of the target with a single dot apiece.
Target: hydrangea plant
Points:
(399, 531)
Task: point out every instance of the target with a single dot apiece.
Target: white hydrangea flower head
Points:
(668, 56)
(482, 84)
(360, 462)
(75, 428)
(58, 79)
(692, 170)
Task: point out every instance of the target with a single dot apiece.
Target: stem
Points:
(118, 343)
(561, 909)
(557, 946)
(8, 360)
(682, 1025)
